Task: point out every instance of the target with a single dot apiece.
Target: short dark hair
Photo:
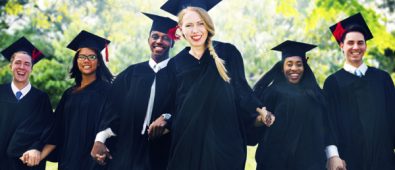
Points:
(102, 72)
(354, 28)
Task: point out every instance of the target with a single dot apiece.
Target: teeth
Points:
(87, 67)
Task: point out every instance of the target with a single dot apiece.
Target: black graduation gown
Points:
(130, 96)
(207, 126)
(362, 118)
(296, 139)
(77, 120)
(21, 125)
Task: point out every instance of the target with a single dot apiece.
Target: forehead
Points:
(19, 56)
(191, 16)
(157, 33)
(354, 36)
(293, 59)
(86, 51)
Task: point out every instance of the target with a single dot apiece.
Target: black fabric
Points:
(21, 125)
(130, 96)
(361, 115)
(208, 124)
(77, 120)
(296, 139)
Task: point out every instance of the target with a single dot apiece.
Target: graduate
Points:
(289, 90)
(213, 101)
(25, 111)
(141, 108)
(361, 105)
(82, 106)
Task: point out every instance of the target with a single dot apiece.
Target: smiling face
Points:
(21, 67)
(87, 61)
(194, 29)
(293, 69)
(159, 43)
(354, 48)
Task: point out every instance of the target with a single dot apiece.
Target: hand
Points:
(157, 128)
(100, 152)
(265, 117)
(31, 157)
(335, 163)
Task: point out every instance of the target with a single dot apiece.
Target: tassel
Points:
(106, 46)
(172, 33)
(338, 33)
(35, 54)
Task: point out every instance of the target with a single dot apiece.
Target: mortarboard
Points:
(161, 24)
(88, 40)
(22, 44)
(355, 20)
(293, 48)
(175, 6)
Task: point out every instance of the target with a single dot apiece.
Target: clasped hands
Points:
(265, 117)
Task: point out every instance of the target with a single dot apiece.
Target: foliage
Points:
(254, 26)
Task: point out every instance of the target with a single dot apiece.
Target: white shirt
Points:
(332, 150)
(351, 69)
(24, 91)
(107, 133)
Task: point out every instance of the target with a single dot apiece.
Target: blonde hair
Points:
(208, 23)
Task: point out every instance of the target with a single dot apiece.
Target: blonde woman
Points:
(212, 98)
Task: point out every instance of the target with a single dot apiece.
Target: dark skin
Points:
(160, 45)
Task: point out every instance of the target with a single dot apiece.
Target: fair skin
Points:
(354, 47)
(335, 163)
(195, 31)
(87, 67)
(21, 67)
(293, 69)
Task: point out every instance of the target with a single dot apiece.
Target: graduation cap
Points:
(161, 24)
(175, 6)
(354, 22)
(88, 40)
(293, 48)
(22, 44)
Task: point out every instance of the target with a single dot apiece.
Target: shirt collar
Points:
(157, 66)
(24, 90)
(351, 69)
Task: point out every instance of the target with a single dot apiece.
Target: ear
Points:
(341, 45)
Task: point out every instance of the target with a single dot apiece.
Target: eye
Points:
(91, 57)
(155, 36)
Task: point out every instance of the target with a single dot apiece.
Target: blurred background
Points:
(254, 26)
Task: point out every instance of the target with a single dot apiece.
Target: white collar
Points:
(351, 69)
(24, 90)
(157, 66)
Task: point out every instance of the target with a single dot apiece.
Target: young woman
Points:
(82, 106)
(290, 91)
(212, 98)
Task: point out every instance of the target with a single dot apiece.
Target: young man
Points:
(25, 111)
(361, 105)
(141, 108)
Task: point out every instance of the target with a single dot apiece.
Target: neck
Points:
(197, 52)
(355, 64)
(20, 85)
(160, 58)
(87, 79)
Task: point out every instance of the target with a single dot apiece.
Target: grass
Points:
(250, 164)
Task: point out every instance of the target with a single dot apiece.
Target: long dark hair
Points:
(102, 72)
(276, 75)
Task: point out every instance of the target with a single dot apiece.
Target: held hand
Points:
(31, 157)
(265, 117)
(157, 128)
(335, 163)
(100, 152)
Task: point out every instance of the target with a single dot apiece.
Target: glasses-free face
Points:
(354, 48)
(87, 61)
(194, 29)
(21, 67)
(293, 69)
(159, 43)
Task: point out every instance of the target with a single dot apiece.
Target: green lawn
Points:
(250, 164)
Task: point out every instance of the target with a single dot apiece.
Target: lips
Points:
(196, 37)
